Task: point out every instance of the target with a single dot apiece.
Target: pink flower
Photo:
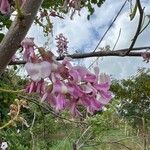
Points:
(103, 90)
(28, 47)
(4, 6)
(70, 87)
(38, 71)
(74, 90)
(146, 56)
(105, 98)
(37, 87)
(75, 5)
(75, 76)
(91, 104)
(79, 73)
(56, 100)
(104, 78)
(60, 102)
(89, 77)
(88, 88)
(61, 44)
(59, 87)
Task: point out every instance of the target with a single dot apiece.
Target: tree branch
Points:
(139, 26)
(119, 53)
(17, 32)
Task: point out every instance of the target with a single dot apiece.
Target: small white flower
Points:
(18, 130)
(4, 145)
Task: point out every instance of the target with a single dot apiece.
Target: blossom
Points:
(59, 87)
(146, 56)
(38, 71)
(64, 86)
(28, 47)
(61, 44)
(60, 102)
(4, 146)
(75, 5)
(103, 88)
(4, 6)
(38, 87)
(82, 74)
(91, 104)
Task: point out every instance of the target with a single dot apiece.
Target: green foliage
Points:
(135, 97)
(134, 11)
(57, 5)
(53, 4)
(90, 6)
(8, 81)
(4, 22)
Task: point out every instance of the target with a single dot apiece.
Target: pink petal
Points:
(102, 87)
(90, 78)
(73, 108)
(75, 75)
(60, 102)
(105, 97)
(105, 78)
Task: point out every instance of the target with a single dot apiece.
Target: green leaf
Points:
(1, 36)
(94, 1)
(100, 2)
(133, 13)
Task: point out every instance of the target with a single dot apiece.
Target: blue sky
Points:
(83, 36)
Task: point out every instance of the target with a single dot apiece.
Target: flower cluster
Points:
(146, 56)
(45, 13)
(61, 44)
(64, 86)
(74, 5)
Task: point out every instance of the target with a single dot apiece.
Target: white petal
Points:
(45, 69)
(34, 71)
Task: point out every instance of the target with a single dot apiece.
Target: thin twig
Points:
(138, 28)
(83, 134)
(110, 26)
(145, 26)
(31, 132)
(93, 63)
(117, 40)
